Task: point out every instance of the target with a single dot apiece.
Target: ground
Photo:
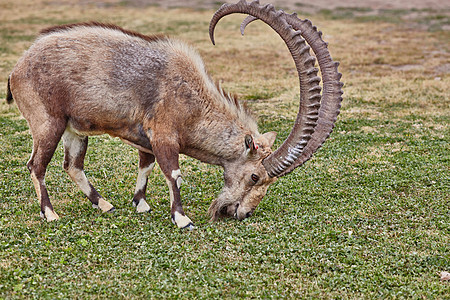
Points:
(366, 217)
(363, 8)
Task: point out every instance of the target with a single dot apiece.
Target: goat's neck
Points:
(217, 142)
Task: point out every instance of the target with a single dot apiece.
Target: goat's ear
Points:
(250, 145)
(270, 137)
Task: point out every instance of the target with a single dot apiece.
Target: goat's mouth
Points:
(229, 211)
(222, 208)
(234, 211)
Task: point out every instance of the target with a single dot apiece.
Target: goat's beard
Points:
(223, 206)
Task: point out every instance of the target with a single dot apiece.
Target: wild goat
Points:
(153, 92)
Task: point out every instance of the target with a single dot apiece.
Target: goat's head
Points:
(246, 181)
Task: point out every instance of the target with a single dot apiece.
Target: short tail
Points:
(9, 96)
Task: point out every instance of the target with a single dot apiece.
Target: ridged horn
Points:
(332, 89)
(290, 151)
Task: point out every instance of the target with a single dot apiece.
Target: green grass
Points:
(363, 218)
(367, 217)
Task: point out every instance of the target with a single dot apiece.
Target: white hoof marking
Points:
(50, 215)
(142, 206)
(182, 221)
(103, 205)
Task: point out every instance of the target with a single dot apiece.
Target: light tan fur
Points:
(152, 92)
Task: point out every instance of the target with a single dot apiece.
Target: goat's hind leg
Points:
(46, 136)
(146, 164)
(74, 152)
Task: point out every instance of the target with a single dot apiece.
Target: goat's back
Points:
(98, 66)
(103, 79)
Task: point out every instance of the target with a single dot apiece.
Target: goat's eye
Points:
(255, 178)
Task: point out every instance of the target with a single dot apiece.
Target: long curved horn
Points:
(289, 152)
(309, 132)
(332, 89)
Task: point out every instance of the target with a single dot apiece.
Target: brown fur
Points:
(152, 92)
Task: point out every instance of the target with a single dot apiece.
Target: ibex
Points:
(153, 92)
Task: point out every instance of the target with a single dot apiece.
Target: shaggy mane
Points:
(57, 28)
(233, 100)
(230, 100)
(240, 108)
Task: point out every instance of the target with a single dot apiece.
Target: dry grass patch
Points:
(382, 63)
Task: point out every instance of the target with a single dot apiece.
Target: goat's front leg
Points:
(146, 164)
(167, 157)
(75, 147)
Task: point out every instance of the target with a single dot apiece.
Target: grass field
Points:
(367, 217)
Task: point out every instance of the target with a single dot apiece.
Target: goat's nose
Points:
(248, 214)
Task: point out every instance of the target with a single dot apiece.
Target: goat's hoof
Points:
(104, 205)
(182, 221)
(49, 215)
(112, 210)
(142, 206)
